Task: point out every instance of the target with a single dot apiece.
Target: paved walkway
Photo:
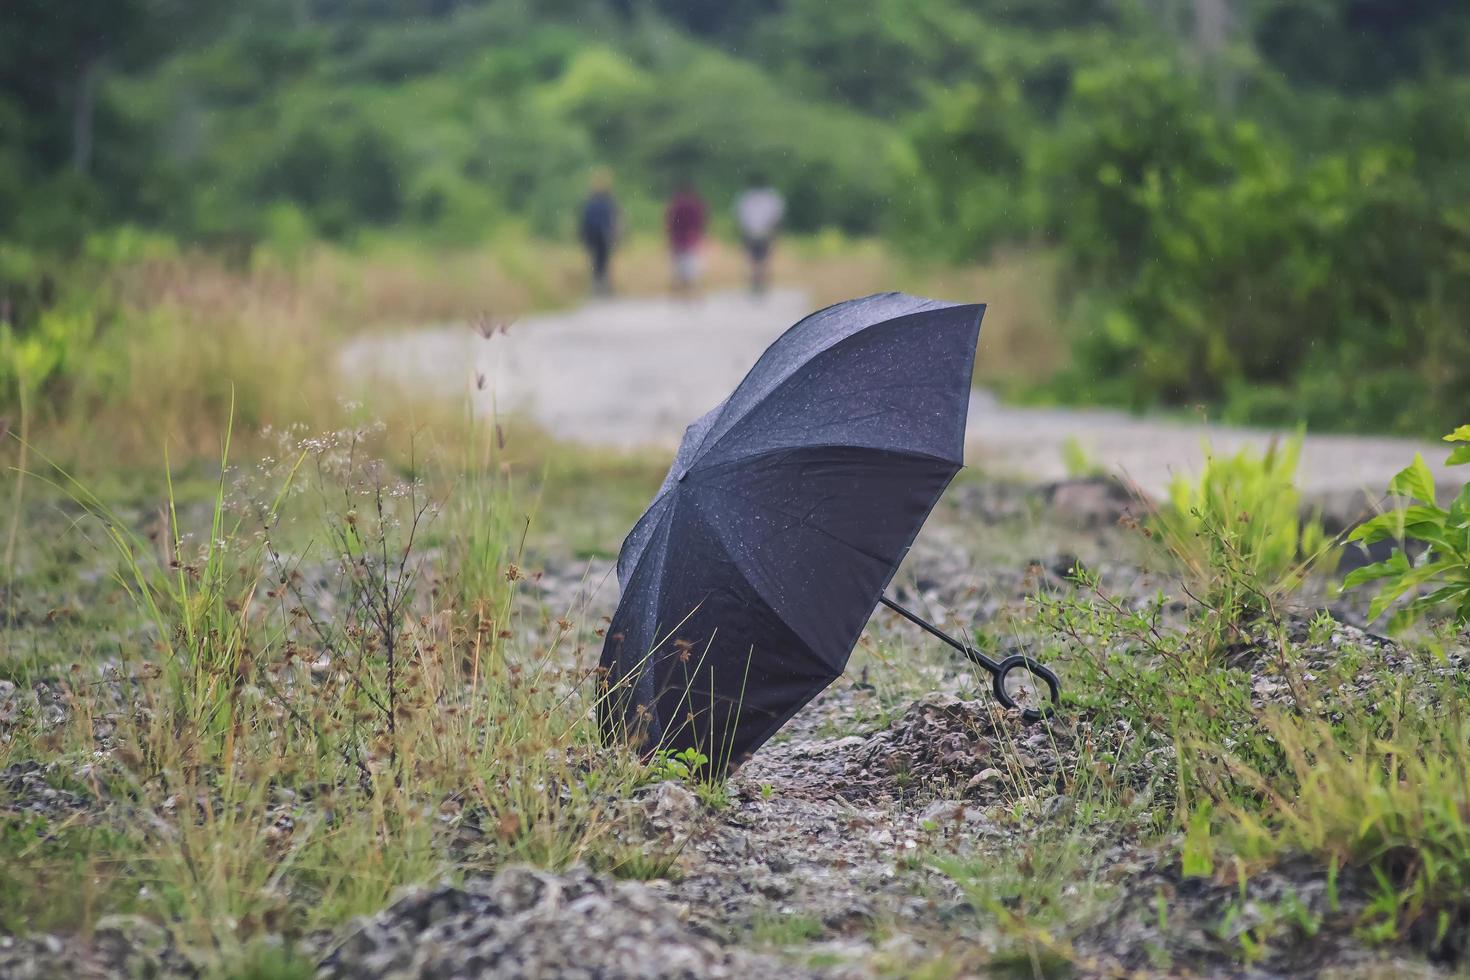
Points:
(631, 373)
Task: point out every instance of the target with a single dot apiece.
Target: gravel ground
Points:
(825, 858)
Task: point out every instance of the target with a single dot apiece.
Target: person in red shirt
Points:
(684, 220)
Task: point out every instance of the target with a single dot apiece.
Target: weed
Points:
(1237, 529)
(1321, 628)
(683, 766)
(1394, 807)
(1197, 857)
(319, 712)
(637, 863)
(1078, 462)
(782, 930)
(1445, 562)
(1255, 925)
(690, 766)
(713, 793)
(1046, 884)
(265, 960)
(58, 871)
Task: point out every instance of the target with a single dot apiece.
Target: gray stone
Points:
(671, 805)
(529, 923)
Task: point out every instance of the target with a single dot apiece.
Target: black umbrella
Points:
(786, 512)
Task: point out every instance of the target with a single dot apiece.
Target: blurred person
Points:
(758, 213)
(599, 229)
(684, 221)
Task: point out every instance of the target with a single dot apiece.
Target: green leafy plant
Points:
(684, 766)
(785, 930)
(1445, 533)
(690, 766)
(1239, 530)
(1197, 859)
(1080, 464)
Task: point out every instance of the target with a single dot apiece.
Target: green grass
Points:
(339, 686)
(785, 930)
(287, 765)
(635, 862)
(1179, 757)
(1392, 805)
(61, 872)
(1237, 530)
(265, 961)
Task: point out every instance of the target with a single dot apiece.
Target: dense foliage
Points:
(1260, 204)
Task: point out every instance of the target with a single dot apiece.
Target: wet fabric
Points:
(785, 514)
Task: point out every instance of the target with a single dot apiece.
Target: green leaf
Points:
(1379, 528)
(1459, 455)
(1416, 521)
(1418, 515)
(1457, 592)
(1197, 855)
(1396, 565)
(1462, 434)
(1403, 583)
(1423, 573)
(1459, 513)
(1381, 602)
(1414, 481)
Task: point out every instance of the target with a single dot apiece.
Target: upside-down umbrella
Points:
(787, 510)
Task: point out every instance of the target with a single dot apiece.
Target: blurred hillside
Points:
(1258, 204)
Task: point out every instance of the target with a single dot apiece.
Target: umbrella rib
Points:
(659, 525)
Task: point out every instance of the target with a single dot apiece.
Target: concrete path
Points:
(631, 373)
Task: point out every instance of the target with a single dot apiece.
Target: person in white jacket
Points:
(758, 213)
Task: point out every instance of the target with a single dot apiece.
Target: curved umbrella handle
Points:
(1018, 661)
(998, 671)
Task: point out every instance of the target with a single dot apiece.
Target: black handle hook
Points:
(998, 671)
(1018, 661)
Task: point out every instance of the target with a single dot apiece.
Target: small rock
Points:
(1268, 687)
(1057, 806)
(940, 811)
(671, 805)
(1093, 501)
(981, 778)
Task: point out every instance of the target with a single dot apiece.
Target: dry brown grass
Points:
(191, 335)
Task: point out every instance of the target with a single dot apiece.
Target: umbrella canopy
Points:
(786, 512)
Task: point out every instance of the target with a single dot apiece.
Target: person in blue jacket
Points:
(599, 228)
